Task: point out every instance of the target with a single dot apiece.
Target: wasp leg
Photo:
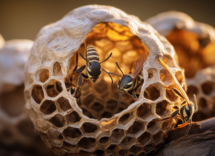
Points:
(166, 118)
(188, 128)
(80, 69)
(134, 95)
(180, 126)
(79, 84)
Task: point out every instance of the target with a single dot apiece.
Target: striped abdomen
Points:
(91, 54)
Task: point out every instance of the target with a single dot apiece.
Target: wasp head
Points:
(94, 70)
(187, 112)
(125, 83)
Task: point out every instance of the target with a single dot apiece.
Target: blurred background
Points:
(23, 19)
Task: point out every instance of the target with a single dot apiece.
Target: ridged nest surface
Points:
(194, 44)
(93, 123)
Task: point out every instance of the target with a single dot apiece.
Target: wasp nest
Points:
(93, 123)
(15, 125)
(194, 44)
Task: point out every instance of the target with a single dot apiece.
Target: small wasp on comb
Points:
(130, 82)
(186, 110)
(93, 65)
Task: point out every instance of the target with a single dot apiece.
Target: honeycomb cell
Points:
(99, 152)
(48, 107)
(144, 111)
(87, 143)
(179, 76)
(43, 75)
(90, 98)
(125, 118)
(64, 104)
(101, 87)
(89, 127)
(106, 114)
(153, 91)
(163, 108)
(192, 90)
(144, 138)
(153, 127)
(149, 147)
(67, 146)
(135, 128)
(126, 141)
(157, 137)
(53, 88)
(142, 154)
(135, 149)
(123, 152)
(87, 113)
(58, 120)
(117, 135)
(73, 117)
(165, 125)
(111, 147)
(55, 136)
(71, 133)
(97, 107)
(57, 69)
(111, 104)
(37, 93)
(171, 95)
(207, 87)
(103, 140)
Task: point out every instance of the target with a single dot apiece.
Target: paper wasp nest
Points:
(94, 123)
(15, 125)
(194, 44)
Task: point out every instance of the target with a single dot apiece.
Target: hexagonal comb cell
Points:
(64, 104)
(171, 95)
(135, 128)
(37, 93)
(89, 127)
(71, 133)
(58, 120)
(53, 88)
(68, 147)
(43, 75)
(144, 138)
(144, 110)
(87, 142)
(117, 135)
(163, 108)
(103, 140)
(48, 107)
(57, 69)
(152, 92)
(73, 117)
(125, 118)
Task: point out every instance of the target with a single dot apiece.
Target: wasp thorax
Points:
(94, 71)
(187, 112)
(125, 83)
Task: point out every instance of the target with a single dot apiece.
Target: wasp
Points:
(93, 65)
(186, 110)
(130, 82)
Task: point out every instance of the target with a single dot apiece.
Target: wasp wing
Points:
(139, 64)
(176, 86)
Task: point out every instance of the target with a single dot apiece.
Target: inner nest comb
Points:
(194, 52)
(99, 100)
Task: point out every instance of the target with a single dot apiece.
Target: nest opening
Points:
(192, 48)
(99, 100)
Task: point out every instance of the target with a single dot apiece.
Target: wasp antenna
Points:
(106, 58)
(109, 75)
(189, 128)
(83, 57)
(120, 69)
(195, 102)
(119, 98)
